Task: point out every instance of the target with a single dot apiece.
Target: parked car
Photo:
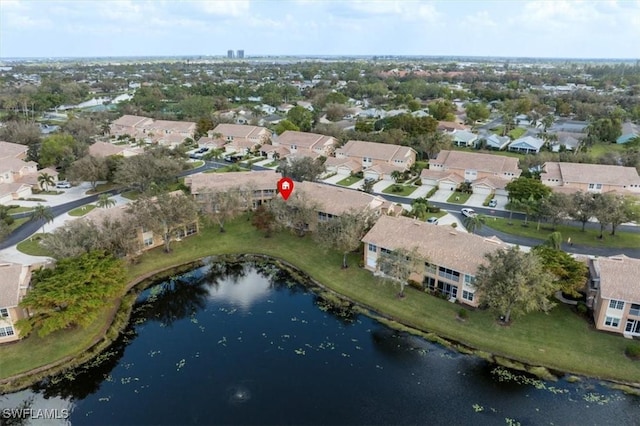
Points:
(468, 212)
(433, 220)
(63, 184)
(493, 203)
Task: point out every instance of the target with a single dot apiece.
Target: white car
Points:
(63, 184)
(468, 212)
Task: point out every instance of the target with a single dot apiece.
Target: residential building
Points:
(566, 140)
(450, 258)
(378, 160)
(303, 144)
(107, 149)
(574, 177)
(629, 131)
(18, 176)
(164, 132)
(14, 281)
(527, 145)
(463, 138)
(494, 141)
(263, 184)
(614, 294)
(486, 172)
(231, 132)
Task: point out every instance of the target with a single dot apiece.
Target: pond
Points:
(247, 344)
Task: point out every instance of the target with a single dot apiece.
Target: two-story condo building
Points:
(292, 144)
(14, 281)
(486, 172)
(451, 258)
(163, 132)
(377, 160)
(574, 177)
(614, 294)
(18, 176)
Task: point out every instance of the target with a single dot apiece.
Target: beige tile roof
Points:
(242, 143)
(492, 182)
(354, 166)
(12, 277)
(240, 130)
(208, 182)
(452, 125)
(376, 151)
(15, 165)
(11, 188)
(105, 149)
(486, 163)
(441, 245)
(131, 120)
(335, 200)
(305, 140)
(12, 150)
(385, 168)
(172, 126)
(211, 142)
(98, 215)
(591, 173)
(32, 178)
(619, 278)
(441, 175)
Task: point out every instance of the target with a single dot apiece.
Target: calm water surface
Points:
(245, 344)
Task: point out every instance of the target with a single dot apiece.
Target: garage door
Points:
(371, 175)
(481, 190)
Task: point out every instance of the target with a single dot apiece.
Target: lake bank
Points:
(559, 341)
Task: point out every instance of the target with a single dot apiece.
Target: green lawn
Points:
(131, 195)
(196, 164)
(20, 209)
(600, 149)
(458, 197)
(560, 340)
(272, 164)
(349, 180)
(406, 190)
(17, 222)
(517, 133)
(587, 238)
(102, 187)
(32, 246)
(229, 168)
(82, 210)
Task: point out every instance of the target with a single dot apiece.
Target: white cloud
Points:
(233, 8)
(480, 19)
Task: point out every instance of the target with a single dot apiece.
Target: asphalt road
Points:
(29, 228)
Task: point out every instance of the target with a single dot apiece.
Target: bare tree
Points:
(398, 265)
(222, 206)
(345, 232)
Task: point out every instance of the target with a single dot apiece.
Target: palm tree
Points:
(396, 175)
(43, 213)
(474, 223)
(554, 240)
(104, 201)
(45, 179)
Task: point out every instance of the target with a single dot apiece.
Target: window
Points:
(430, 283)
(384, 250)
(448, 289)
(616, 304)
(372, 247)
(469, 280)
(635, 310)
(612, 322)
(192, 229)
(430, 268)
(4, 313)
(148, 242)
(595, 186)
(449, 274)
(6, 331)
(467, 295)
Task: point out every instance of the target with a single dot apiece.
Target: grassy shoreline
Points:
(560, 340)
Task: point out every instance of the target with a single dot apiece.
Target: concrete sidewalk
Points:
(71, 194)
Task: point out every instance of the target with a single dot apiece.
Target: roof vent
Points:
(452, 233)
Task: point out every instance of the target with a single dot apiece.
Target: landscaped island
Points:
(560, 340)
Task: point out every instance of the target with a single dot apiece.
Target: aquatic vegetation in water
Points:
(478, 408)
(511, 422)
(505, 375)
(180, 364)
(300, 351)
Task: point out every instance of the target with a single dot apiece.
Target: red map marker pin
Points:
(285, 187)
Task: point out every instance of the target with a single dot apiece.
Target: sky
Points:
(517, 28)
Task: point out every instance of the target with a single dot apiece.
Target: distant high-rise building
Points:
(240, 54)
(229, 54)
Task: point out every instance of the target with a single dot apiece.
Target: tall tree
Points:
(298, 213)
(554, 208)
(141, 171)
(89, 168)
(165, 215)
(72, 293)
(45, 180)
(264, 220)
(222, 206)
(513, 282)
(344, 233)
(474, 222)
(61, 150)
(523, 188)
(398, 265)
(42, 213)
(301, 117)
(303, 169)
(582, 207)
(570, 274)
